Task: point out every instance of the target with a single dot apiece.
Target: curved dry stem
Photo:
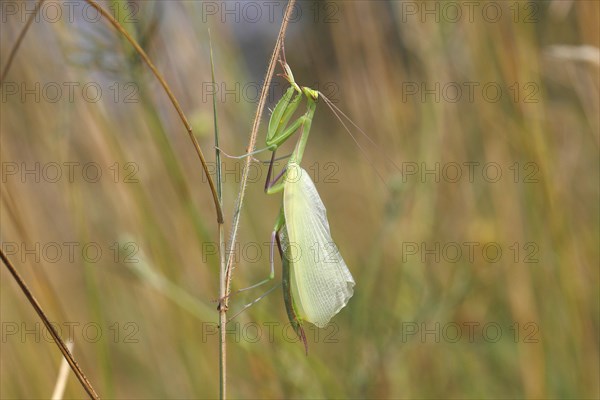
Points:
(17, 44)
(173, 99)
(59, 342)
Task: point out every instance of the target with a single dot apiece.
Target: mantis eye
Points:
(308, 92)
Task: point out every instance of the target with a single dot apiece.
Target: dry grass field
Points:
(471, 226)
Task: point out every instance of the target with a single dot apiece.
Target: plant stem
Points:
(17, 44)
(59, 342)
(226, 268)
(222, 264)
(252, 142)
(222, 317)
(172, 97)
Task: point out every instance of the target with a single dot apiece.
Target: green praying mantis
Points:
(315, 279)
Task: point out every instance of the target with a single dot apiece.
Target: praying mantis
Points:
(315, 279)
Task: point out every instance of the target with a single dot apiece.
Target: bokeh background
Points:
(475, 255)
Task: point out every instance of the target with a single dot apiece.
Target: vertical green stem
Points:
(222, 263)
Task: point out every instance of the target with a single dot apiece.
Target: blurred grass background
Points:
(367, 57)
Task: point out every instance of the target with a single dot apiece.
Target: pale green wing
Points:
(321, 281)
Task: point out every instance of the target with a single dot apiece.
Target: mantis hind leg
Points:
(253, 302)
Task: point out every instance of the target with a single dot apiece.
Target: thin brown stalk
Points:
(226, 269)
(222, 317)
(59, 342)
(173, 99)
(17, 44)
(252, 141)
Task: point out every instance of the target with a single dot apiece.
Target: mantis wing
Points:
(320, 280)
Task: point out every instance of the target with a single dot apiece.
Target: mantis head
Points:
(289, 76)
(310, 93)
